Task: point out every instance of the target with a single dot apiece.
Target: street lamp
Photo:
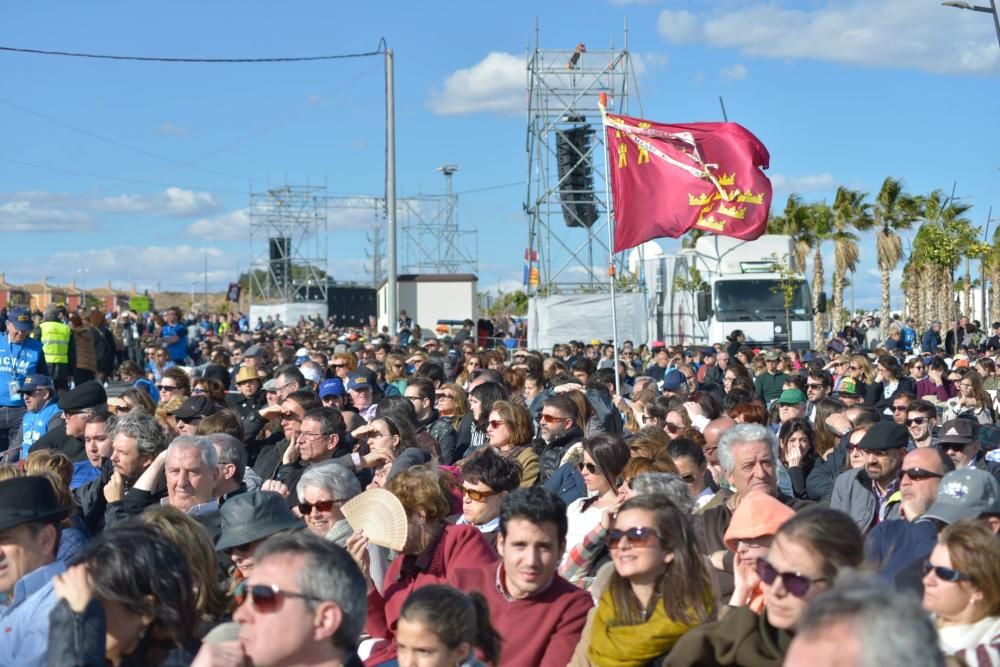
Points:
(992, 9)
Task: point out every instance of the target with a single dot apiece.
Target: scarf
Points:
(631, 645)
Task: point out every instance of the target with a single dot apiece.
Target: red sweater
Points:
(540, 631)
(457, 547)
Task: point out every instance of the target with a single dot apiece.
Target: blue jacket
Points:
(25, 623)
(36, 424)
(929, 343)
(894, 546)
(16, 362)
(567, 483)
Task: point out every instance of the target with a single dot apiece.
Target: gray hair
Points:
(664, 484)
(744, 433)
(209, 457)
(149, 436)
(331, 477)
(328, 573)
(230, 450)
(891, 628)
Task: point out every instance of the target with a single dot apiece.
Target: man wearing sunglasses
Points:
(921, 422)
(557, 426)
(960, 439)
(868, 494)
(819, 384)
(77, 404)
(487, 478)
(303, 604)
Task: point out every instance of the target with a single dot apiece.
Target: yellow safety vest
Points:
(55, 342)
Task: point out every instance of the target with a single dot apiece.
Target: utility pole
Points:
(390, 190)
(206, 282)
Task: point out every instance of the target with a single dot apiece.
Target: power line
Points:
(72, 54)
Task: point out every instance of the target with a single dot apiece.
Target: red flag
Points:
(668, 179)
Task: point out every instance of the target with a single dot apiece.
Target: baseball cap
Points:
(35, 381)
(792, 397)
(356, 380)
(331, 387)
(771, 355)
(253, 351)
(709, 352)
(673, 379)
(21, 319)
(848, 387)
(965, 494)
(312, 375)
(959, 431)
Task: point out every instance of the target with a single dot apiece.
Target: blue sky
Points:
(128, 171)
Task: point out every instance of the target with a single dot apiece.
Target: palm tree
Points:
(820, 221)
(992, 264)
(893, 212)
(794, 222)
(850, 211)
(946, 238)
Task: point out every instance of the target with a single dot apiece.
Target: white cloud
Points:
(173, 202)
(174, 267)
(678, 26)
(232, 226)
(806, 183)
(645, 63)
(170, 129)
(24, 216)
(737, 72)
(495, 84)
(888, 33)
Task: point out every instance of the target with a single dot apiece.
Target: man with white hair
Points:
(189, 469)
(748, 456)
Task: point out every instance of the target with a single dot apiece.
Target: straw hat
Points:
(380, 515)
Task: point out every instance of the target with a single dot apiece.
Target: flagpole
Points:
(603, 102)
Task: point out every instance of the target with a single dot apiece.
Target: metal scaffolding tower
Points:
(288, 227)
(432, 240)
(566, 201)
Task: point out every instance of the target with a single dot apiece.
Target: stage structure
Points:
(288, 239)
(566, 199)
(433, 242)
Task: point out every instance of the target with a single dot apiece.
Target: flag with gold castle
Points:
(668, 179)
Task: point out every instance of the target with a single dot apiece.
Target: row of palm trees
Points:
(944, 239)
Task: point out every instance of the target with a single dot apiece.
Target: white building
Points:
(429, 298)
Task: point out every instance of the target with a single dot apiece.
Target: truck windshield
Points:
(758, 299)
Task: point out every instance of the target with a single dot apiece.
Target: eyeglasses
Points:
(166, 387)
(495, 423)
(550, 419)
(415, 399)
(919, 474)
(444, 397)
(478, 496)
(958, 446)
(337, 365)
(854, 368)
(918, 421)
(795, 583)
(589, 467)
(266, 599)
(637, 537)
(673, 428)
(305, 435)
(305, 509)
(966, 385)
(815, 385)
(945, 573)
(900, 408)
(190, 420)
(647, 419)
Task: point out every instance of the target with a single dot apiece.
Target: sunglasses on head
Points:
(266, 599)
(589, 467)
(919, 421)
(918, 474)
(945, 573)
(320, 506)
(637, 537)
(795, 583)
(478, 496)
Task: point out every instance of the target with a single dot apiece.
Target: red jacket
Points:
(457, 547)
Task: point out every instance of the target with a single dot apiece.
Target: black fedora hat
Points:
(27, 500)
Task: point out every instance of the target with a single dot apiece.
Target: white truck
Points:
(741, 291)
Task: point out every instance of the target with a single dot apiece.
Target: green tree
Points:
(789, 283)
(893, 212)
(509, 304)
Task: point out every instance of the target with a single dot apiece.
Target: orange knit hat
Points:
(758, 515)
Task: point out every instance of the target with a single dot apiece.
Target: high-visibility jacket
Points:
(55, 342)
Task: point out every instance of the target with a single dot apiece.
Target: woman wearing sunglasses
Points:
(450, 402)
(962, 591)
(509, 431)
(129, 600)
(604, 457)
(806, 554)
(660, 588)
(972, 401)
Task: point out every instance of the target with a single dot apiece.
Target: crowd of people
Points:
(726, 505)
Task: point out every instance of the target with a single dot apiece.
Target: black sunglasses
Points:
(266, 599)
(919, 474)
(305, 509)
(637, 537)
(795, 583)
(945, 573)
(919, 421)
(589, 467)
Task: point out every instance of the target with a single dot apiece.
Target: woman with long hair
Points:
(604, 457)
(805, 556)
(481, 400)
(509, 431)
(962, 591)
(659, 590)
(395, 371)
(972, 400)
(472, 363)
(797, 449)
(129, 600)
(439, 626)
(889, 383)
(825, 440)
(451, 402)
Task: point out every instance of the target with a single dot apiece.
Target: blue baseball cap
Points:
(357, 380)
(21, 319)
(35, 381)
(331, 387)
(673, 379)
